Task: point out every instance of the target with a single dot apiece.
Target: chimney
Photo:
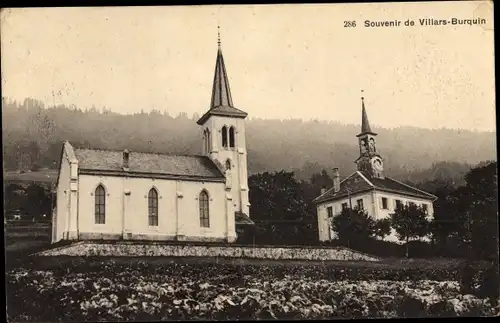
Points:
(336, 180)
(125, 159)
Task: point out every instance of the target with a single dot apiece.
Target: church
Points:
(106, 194)
(367, 188)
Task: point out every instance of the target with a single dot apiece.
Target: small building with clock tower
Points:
(368, 188)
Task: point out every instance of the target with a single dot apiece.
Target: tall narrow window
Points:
(360, 204)
(100, 205)
(398, 204)
(204, 211)
(224, 136)
(208, 141)
(330, 212)
(231, 137)
(384, 203)
(205, 141)
(228, 164)
(344, 206)
(153, 207)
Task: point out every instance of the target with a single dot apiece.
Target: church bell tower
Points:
(369, 161)
(224, 136)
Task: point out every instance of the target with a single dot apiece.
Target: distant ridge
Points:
(33, 138)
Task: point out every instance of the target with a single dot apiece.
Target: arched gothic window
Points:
(206, 137)
(224, 137)
(153, 207)
(204, 210)
(100, 205)
(231, 137)
(228, 164)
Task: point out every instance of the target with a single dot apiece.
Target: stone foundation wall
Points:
(165, 250)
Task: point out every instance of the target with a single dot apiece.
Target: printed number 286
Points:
(349, 24)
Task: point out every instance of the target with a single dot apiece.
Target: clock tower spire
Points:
(369, 160)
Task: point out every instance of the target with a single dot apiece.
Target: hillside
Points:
(33, 135)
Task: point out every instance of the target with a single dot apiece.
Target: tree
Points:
(382, 228)
(449, 226)
(353, 225)
(321, 180)
(410, 223)
(279, 206)
(40, 200)
(482, 187)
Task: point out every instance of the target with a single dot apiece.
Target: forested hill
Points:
(33, 135)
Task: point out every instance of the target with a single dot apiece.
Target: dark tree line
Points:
(33, 135)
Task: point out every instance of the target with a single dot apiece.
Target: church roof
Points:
(222, 102)
(110, 162)
(365, 125)
(359, 182)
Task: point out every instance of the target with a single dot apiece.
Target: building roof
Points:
(147, 164)
(222, 102)
(359, 182)
(365, 125)
(242, 218)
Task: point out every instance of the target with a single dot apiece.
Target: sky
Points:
(283, 61)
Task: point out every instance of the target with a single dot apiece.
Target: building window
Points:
(398, 204)
(384, 203)
(344, 206)
(360, 204)
(228, 164)
(330, 212)
(100, 205)
(224, 137)
(204, 210)
(425, 208)
(153, 207)
(231, 137)
(207, 141)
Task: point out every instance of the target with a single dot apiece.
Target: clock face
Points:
(377, 163)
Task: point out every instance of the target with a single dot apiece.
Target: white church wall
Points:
(62, 201)
(189, 210)
(87, 226)
(178, 209)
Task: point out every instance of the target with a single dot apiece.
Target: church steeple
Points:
(369, 160)
(365, 124)
(221, 93)
(221, 103)
(224, 140)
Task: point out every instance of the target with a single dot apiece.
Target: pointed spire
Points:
(365, 125)
(221, 93)
(218, 37)
(221, 103)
